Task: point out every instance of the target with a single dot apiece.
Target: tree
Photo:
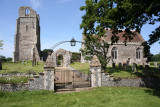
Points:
(45, 52)
(1, 44)
(156, 57)
(117, 15)
(93, 25)
(76, 57)
(2, 58)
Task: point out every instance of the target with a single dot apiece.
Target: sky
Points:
(59, 21)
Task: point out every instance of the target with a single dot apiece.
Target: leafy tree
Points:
(2, 58)
(1, 44)
(45, 52)
(8, 59)
(76, 57)
(116, 15)
(155, 57)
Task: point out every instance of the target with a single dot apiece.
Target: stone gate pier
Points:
(95, 68)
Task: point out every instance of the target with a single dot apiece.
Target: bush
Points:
(76, 57)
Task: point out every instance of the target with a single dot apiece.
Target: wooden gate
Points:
(69, 79)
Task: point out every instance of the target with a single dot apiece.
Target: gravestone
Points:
(134, 67)
(149, 63)
(155, 64)
(120, 65)
(124, 66)
(0, 65)
(113, 65)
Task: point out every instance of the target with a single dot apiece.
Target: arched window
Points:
(138, 54)
(27, 11)
(114, 53)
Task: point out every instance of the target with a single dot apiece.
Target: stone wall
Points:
(110, 81)
(36, 83)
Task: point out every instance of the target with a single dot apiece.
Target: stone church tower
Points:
(27, 36)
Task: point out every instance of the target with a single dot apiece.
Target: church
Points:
(131, 53)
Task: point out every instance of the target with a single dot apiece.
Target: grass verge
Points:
(98, 97)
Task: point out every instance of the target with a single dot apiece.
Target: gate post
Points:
(95, 68)
(49, 69)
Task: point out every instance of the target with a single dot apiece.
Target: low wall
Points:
(36, 83)
(109, 81)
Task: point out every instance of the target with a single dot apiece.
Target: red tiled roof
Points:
(137, 38)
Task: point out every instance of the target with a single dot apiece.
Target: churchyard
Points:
(19, 72)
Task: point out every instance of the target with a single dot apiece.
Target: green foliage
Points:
(98, 97)
(120, 14)
(76, 57)
(4, 59)
(1, 44)
(45, 52)
(155, 57)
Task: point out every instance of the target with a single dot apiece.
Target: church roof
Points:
(137, 38)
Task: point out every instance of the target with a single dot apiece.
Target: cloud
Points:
(64, 1)
(35, 3)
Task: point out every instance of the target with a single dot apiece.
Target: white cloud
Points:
(64, 1)
(35, 3)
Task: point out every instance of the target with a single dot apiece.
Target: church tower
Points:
(27, 36)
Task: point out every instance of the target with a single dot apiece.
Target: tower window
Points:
(26, 28)
(27, 11)
(138, 54)
(114, 53)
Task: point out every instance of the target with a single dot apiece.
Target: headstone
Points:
(113, 65)
(124, 66)
(0, 65)
(134, 67)
(120, 65)
(155, 64)
(23, 62)
(41, 58)
(149, 63)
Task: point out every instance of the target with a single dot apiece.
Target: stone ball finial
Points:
(95, 62)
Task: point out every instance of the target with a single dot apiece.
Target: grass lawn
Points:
(84, 67)
(116, 72)
(9, 67)
(98, 97)
(120, 72)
